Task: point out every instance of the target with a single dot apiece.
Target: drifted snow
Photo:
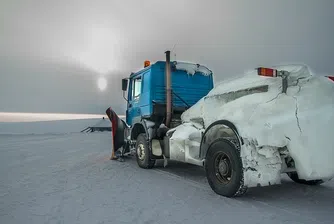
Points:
(301, 120)
(191, 68)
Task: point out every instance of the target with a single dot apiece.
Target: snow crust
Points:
(51, 127)
(192, 68)
(301, 120)
(70, 179)
(36, 117)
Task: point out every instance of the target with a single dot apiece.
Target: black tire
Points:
(230, 183)
(144, 160)
(294, 176)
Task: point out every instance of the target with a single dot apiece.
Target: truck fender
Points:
(137, 129)
(143, 126)
(218, 129)
(147, 127)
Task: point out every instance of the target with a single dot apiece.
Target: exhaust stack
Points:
(168, 90)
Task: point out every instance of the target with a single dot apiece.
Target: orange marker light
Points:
(147, 63)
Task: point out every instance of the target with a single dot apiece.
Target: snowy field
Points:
(67, 177)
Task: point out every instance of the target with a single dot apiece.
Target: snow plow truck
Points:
(245, 132)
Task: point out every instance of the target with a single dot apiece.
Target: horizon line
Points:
(34, 117)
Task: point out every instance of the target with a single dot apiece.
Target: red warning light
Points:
(269, 72)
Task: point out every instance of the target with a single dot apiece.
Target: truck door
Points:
(133, 113)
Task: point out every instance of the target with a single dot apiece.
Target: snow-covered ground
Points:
(68, 178)
(49, 127)
(31, 117)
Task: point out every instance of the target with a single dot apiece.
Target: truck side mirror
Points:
(124, 84)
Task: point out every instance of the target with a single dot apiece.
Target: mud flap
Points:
(156, 147)
(118, 127)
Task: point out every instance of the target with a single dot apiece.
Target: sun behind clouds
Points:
(102, 83)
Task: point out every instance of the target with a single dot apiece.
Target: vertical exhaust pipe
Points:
(168, 90)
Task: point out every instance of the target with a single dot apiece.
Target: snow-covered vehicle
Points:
(278, 120)
(246, 131)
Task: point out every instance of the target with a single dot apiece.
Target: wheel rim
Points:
(223, 168)
(141, 151)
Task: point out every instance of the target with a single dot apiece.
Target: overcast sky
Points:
(53, 52)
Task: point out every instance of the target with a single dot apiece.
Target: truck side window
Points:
(137, 87)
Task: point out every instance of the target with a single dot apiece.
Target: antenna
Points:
(174, 52)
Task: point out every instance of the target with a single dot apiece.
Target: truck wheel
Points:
(224, 170)
(143, 153)
(294, 176)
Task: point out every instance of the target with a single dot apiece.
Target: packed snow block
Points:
(185, 143)
(262, 164)
(193, 143)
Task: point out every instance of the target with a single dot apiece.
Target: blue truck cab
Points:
(146, 97)
(157, 95)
